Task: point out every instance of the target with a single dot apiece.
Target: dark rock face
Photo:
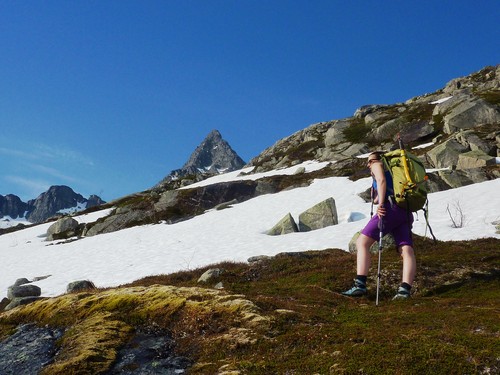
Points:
(28, 350)
(53, 200)
(214, 155)
(11, 205)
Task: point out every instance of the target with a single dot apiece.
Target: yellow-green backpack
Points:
(408, 177)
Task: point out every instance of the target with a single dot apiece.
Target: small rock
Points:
(257, 258)
(4, 303)
(209, 274)
(80, 286)
(20, 301)
(23, 291)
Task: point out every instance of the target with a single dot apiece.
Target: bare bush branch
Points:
(458, 216)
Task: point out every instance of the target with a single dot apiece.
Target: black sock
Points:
(406, 286)
(361, 278)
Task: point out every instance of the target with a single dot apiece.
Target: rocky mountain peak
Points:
(57, 199)
(214, 155)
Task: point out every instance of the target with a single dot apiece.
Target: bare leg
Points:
(363, 257)
(409, 264)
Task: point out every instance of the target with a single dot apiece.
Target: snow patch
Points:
(69, 211)
(425, 145)
(442, 100)
(8, 222)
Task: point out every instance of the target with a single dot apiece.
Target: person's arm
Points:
(379, 175)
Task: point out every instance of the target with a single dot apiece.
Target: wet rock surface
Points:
(32, 348)
(149, 353)
(28, 350)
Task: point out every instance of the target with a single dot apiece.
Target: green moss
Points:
(90, 347)
(492, 97)
(357, 131)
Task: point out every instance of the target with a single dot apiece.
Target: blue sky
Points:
(108, 97)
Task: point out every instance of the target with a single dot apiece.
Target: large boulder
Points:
(65, 227)
(284, 226)
(123, 217)
(446, 154)
(472, 141)
(451, 179)
(319, 216)
(474, 159)
(469, 114)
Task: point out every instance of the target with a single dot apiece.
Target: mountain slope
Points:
(463, 116)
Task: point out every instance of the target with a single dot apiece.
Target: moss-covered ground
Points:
(284, 315)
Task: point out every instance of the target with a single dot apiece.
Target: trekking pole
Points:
(380, 226)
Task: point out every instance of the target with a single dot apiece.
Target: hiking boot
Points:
(358, 290)
(402, 293)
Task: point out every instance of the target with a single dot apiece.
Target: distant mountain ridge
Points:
(57, 199)
(214, 155)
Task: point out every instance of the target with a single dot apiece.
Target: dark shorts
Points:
(396, 221)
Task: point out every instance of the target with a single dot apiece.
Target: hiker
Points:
(395, 220)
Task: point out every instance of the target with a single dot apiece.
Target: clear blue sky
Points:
(108, 97)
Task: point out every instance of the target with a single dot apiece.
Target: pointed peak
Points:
(214, 134)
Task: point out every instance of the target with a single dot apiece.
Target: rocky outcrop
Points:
(149, 353)
(468, 105)
(466, 110)
(99, 336)
(29, 349)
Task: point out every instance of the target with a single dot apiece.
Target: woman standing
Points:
(394, 220)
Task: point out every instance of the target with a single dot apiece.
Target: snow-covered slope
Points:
(234, 234)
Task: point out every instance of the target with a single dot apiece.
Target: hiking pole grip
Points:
(381, 227)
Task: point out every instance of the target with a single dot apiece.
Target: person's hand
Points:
(381, 210)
